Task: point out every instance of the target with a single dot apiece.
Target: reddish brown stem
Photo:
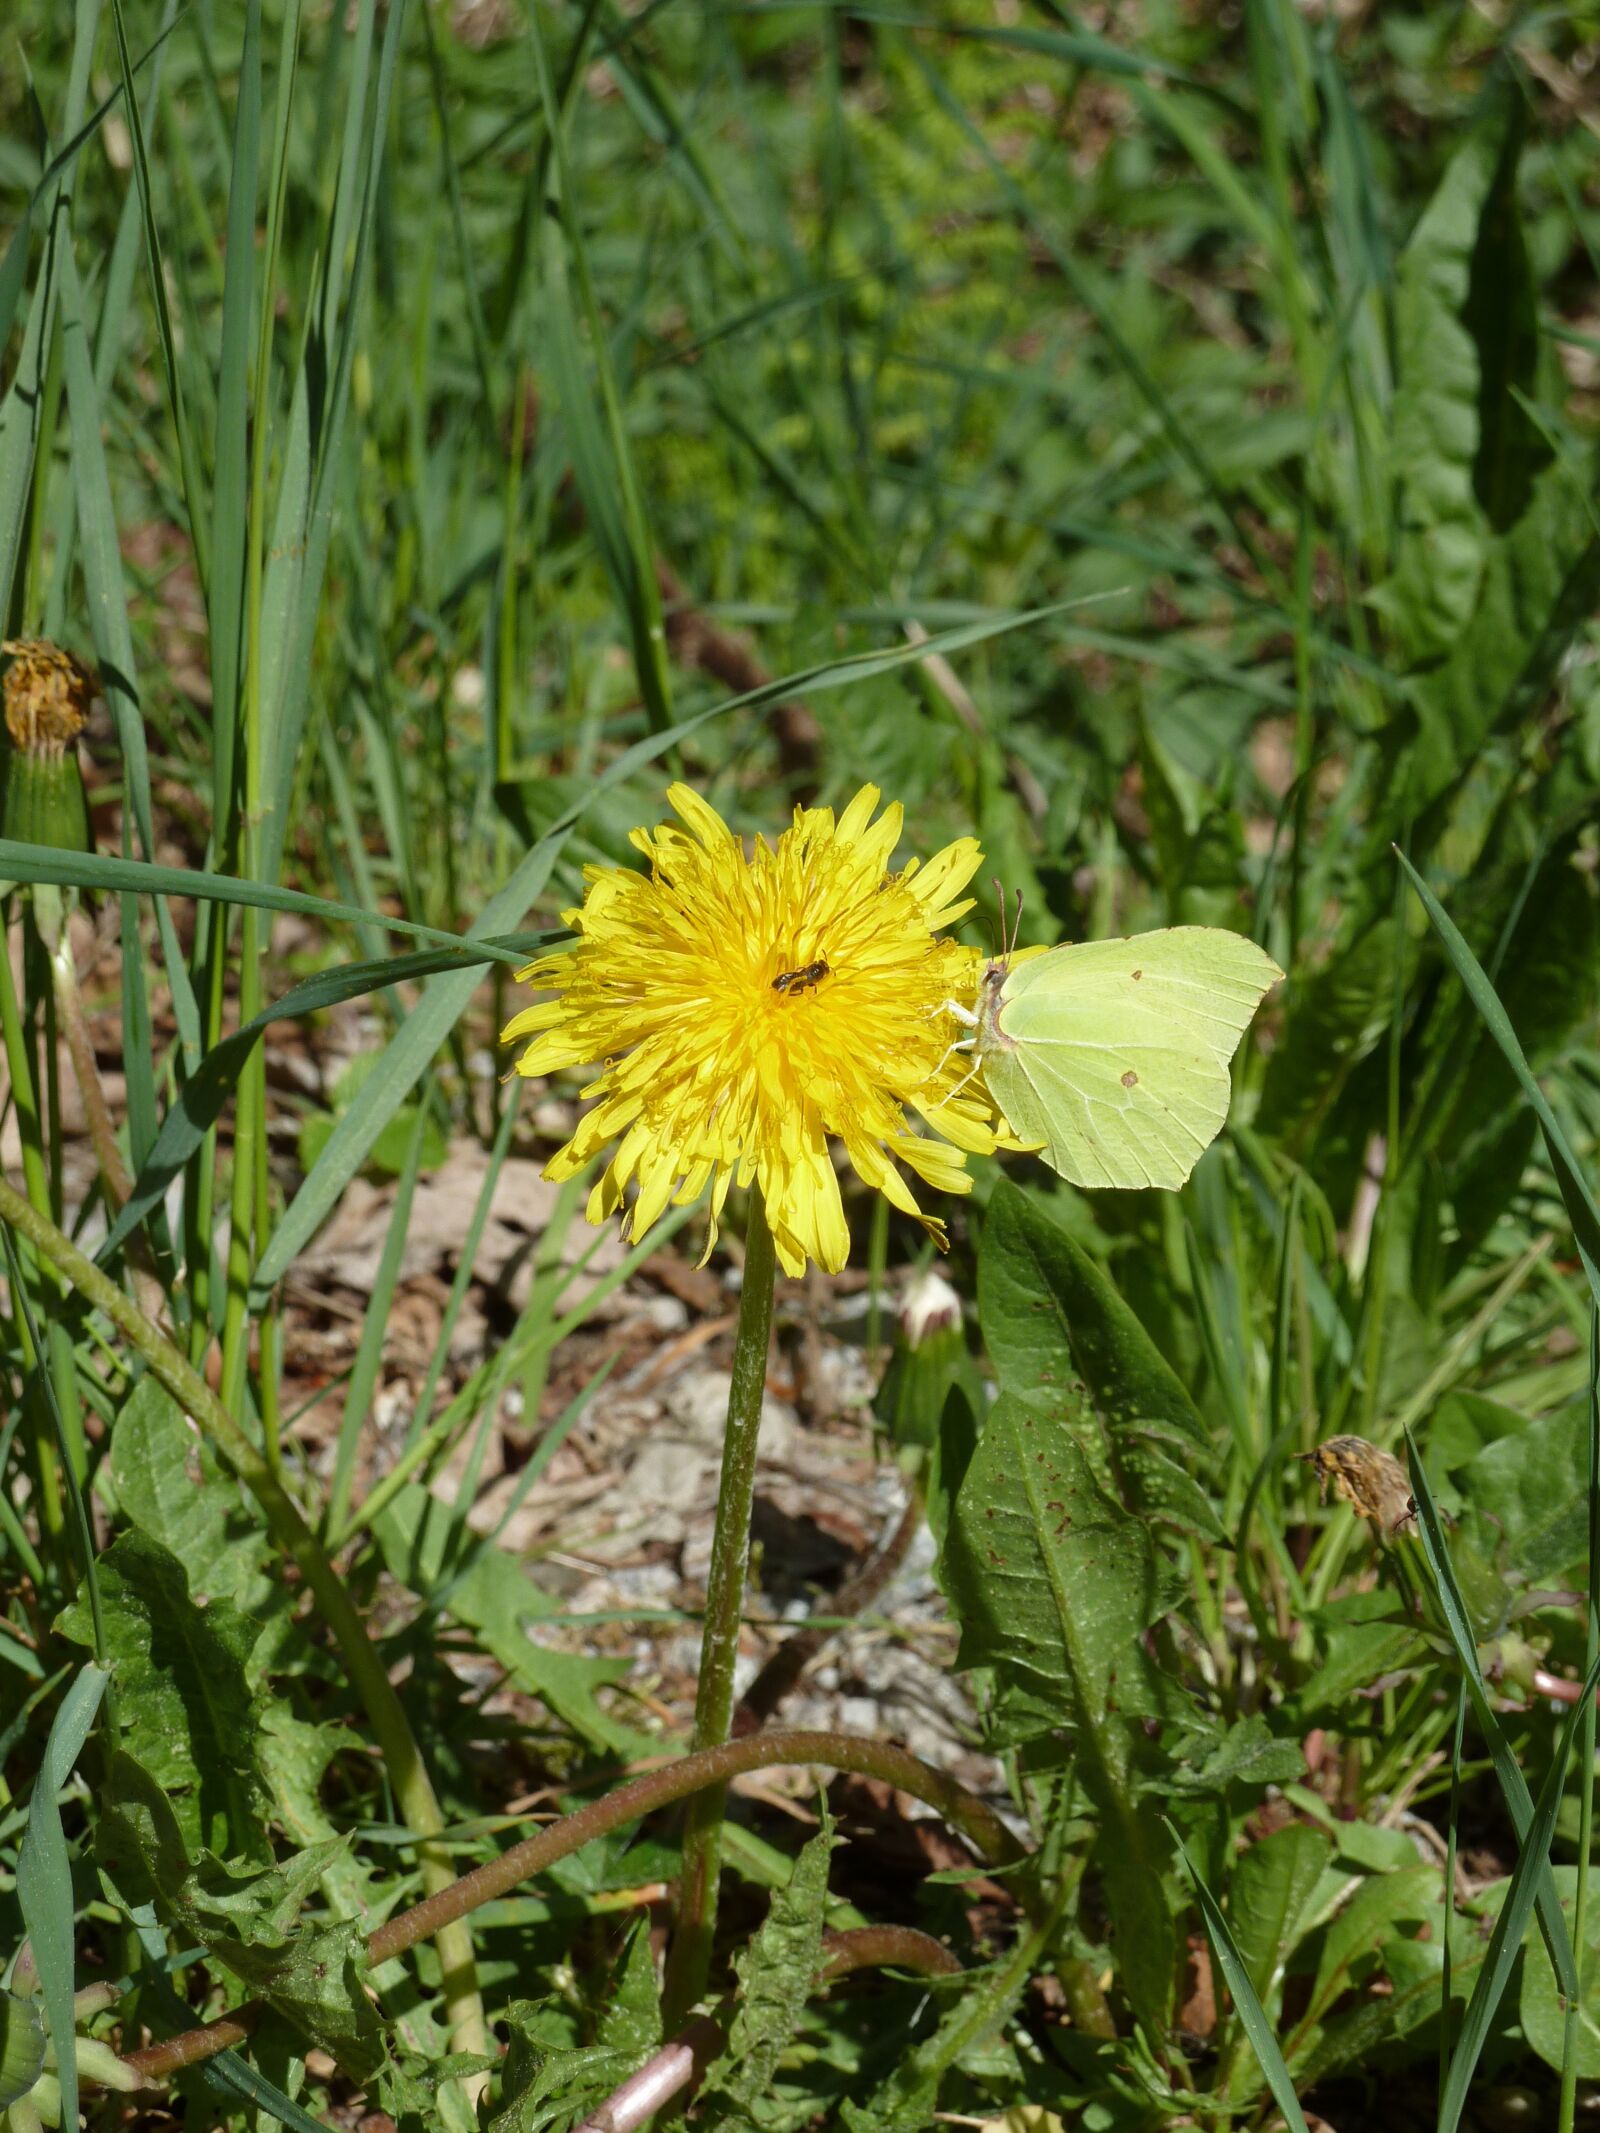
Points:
(886, 1947)
(973, 1818)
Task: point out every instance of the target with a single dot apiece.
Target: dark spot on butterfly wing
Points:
(1130, 1080)
(1138, 973)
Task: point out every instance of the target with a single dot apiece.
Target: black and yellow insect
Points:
(801, 980)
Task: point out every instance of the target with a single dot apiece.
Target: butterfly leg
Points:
(962, 1044)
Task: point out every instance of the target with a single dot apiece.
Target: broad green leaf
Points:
(1053, 1323)
(1534, 1489)
(547, 2085)
(1543, 2012)
(1353, 1945)
(44, 1875)
(1269, 1892)
(1540, 583)
(1055, 1585)
(21, 2047)
(247, 1918)
(777, 1975)
(1576, 1195)
(172, 1486)
(1359, 1638)
(1442, 533)
(1412, 1970)
(1339, 1013)
(184, 1704)
(1248, 1754)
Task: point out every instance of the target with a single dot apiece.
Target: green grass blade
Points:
(1505, 1942)
(303, 528)
(1576, 1196)
(1513, 1785)
(95, 870)
(101, 555)
(466, 1261)
(375, 1326)
(230, 478)
(602, 462)
(14, 265)
(188, 462)
(1251, 2012)
(71, 1467)
(199, 1102)
(44, 1877)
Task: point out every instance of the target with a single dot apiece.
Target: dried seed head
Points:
(47, 696)
(1371, 1481)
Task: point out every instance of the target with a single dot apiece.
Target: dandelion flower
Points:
(748, 1009)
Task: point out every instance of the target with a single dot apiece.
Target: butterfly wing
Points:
(1113, 1055)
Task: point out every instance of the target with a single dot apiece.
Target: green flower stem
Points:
(973, 1818)
(403, 1759)
(19, 1059)
(689, 1962)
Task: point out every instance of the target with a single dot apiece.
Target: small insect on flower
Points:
(1371, 1481)
(798, 980)
(687, 980)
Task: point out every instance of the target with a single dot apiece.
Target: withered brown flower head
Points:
(1371, 1481)
(47, 696)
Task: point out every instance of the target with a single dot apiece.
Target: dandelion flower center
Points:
(749, 1009)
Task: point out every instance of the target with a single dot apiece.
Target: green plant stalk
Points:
(408, 1774)
(52, 1515)
(689, 1963)
(971, 1817)
(1586, 1744)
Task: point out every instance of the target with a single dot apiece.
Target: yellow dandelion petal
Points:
(938, 884)
(748, 1010)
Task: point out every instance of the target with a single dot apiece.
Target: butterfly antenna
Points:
(1000, 898)
(1016, 927)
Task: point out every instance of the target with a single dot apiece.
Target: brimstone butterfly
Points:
(1112, 1056)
